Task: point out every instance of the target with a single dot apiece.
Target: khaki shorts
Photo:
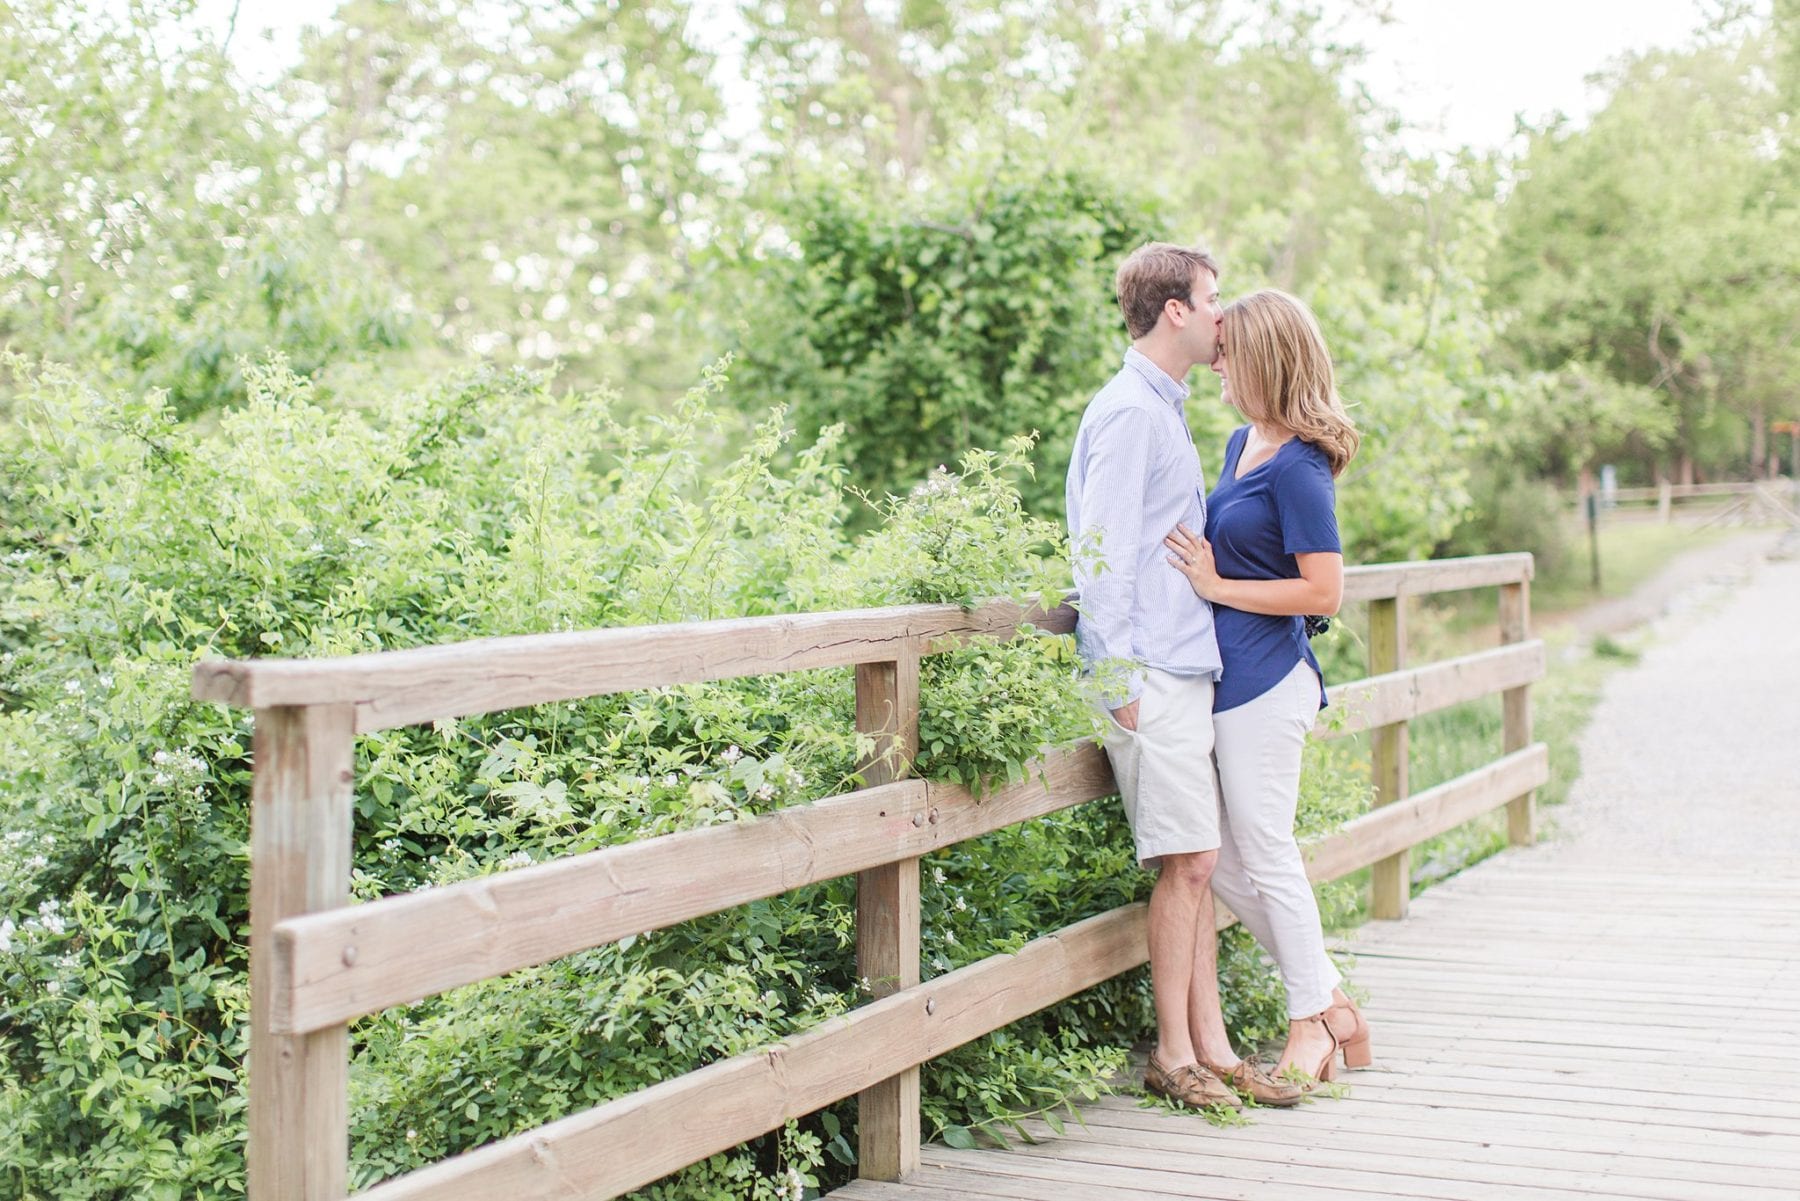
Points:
(1164, 768)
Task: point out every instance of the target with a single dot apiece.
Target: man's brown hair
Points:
(1154, 274)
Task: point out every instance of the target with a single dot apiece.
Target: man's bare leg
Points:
(1206, 1017)
(1181, 911)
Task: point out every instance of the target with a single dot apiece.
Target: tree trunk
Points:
(1759, 442)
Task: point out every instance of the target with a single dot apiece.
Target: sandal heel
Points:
(1357, 1053)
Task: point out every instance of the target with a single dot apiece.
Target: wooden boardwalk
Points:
(1546, 1026)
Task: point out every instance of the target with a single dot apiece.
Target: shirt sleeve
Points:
(1116, 469)
(1306, 503)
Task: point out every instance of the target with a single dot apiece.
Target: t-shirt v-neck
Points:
(1283, 507)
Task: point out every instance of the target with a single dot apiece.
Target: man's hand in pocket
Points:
(1127, 717)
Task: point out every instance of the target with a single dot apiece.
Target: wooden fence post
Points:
(1390, 880)
(1515, 626)
(300, 815)
(887, 914)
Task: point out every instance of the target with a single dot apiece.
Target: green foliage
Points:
(538, 193)
(968, 320)
(1646, 255)
(489, 504)
(149, 212)
(1508, 514)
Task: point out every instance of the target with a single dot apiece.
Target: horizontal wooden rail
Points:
(634, 1140)
(343, 963)
(1381, 832)
(317, 966)
(336, 965)
(1678, 492)
(1402, 695)
(1380, 581)
(400, 688)
(627, 1143)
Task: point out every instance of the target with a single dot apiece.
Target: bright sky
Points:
(1457, 70)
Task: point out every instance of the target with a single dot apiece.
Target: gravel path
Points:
(1694, 752)
(1670, 586)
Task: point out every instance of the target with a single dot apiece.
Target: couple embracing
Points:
(1192, 612)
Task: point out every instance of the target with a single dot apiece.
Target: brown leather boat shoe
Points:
(1190, 1084)
(1254, 1082)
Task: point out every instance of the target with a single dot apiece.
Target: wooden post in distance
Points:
(1515, 626)
(1390, 880)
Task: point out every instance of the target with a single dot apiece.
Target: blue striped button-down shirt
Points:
(1134, 474)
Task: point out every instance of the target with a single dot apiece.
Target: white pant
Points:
(1260, 876)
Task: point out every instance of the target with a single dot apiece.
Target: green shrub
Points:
(964, 320)
(1508, 513)
(134, 544)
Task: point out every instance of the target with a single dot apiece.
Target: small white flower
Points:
(7, 930)
(732, 754)
(765, 792)
(950, 938)
(161, 758)
(937, 875)
(411, 1134)
(53, 986)
(795, 779)
(961, 904)
(72, 687)
(161, 779)
(669, 780)
(517, 859)
(37, 862)
(105, 681)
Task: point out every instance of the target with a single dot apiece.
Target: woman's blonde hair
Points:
(1281, 373)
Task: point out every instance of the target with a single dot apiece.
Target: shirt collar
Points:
(1160, 381)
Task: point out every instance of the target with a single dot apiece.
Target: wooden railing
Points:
(318, 962)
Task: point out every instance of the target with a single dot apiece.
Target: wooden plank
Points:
(634, 1140)
(983, 1181)
(1515, 627)
(1204, 1175)
(398, 688)
(1387, 581)
(1691, 1118)
(1390, 876)
(964, 1186)
(1389, 830)
(299, 1137)
(334, 966)
(1353, 1121)
(1367, 1105)
(1155, 1143)
(887, 915)
(1396, 696)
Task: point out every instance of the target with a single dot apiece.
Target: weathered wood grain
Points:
(634, 1140)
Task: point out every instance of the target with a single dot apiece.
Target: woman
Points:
(1269, 556)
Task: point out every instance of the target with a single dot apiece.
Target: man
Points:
(1134, 475)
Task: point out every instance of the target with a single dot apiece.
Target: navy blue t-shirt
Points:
(1282, 508)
